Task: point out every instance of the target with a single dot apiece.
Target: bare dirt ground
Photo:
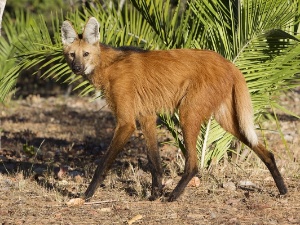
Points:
(50, 146)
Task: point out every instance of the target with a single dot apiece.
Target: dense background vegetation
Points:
(259, 36)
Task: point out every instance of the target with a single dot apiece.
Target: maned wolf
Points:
(138, 84)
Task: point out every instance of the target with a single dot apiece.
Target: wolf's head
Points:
(82, 52)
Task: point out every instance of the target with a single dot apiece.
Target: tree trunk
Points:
(2, 6)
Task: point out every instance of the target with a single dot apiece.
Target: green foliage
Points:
(29, 150)
(26, 45)
(173, 28)
(256, 35)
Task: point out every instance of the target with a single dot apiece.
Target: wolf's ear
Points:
(68, 34)
(91, 31)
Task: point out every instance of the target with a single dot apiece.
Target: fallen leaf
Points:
(173, 216)
(62, 172)
(78, 179)
(168, 182)
(105, 209)
(63, 183)
(75, 202)
(247, 183)
(229, 186)
(194, 182)
(134, 219)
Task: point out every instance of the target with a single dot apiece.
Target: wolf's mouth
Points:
(77, 72)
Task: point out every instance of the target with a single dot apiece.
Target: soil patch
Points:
(50, 146)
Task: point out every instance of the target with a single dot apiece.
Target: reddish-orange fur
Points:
(139, 84)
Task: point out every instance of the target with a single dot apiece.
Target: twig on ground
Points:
(99, 202)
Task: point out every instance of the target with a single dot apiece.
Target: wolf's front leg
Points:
(122, 134)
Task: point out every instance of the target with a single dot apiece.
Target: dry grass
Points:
(23, 201)
(69, 135)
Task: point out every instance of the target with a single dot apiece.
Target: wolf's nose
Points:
(76, 68)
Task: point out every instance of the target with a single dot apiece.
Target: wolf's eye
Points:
(72, 54)
(86, 54)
